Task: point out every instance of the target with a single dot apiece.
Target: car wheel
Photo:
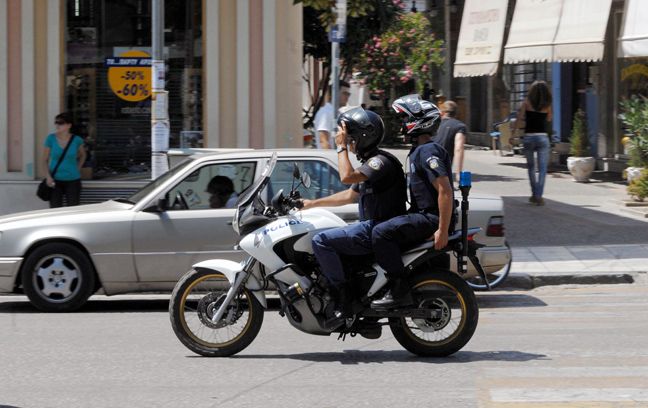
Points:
(58, 277)
(494, 279)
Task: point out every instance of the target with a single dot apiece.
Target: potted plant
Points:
(638, 188)
(580, 164)
(635, 118)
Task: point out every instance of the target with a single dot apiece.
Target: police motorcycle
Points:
(217, 308)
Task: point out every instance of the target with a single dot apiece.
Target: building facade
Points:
(233, 73)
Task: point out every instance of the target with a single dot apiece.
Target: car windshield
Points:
(259, 183)
(147, 189)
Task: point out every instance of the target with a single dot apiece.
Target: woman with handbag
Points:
(64, 156)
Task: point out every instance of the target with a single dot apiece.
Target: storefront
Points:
(224, 63)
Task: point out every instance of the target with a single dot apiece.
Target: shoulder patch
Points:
(412, 167)
(433, 162)
(375, 163)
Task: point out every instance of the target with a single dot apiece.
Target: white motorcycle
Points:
(217, 308)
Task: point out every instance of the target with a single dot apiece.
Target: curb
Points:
(527, 281)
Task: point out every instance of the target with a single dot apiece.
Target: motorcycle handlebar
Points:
(294, 203)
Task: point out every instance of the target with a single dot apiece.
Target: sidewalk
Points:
(578, 237)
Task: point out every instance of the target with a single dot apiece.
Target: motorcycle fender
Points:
(231, 269)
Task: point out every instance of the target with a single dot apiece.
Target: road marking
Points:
(569, 395)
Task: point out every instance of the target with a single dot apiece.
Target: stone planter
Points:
(581, 168)
(633, 173)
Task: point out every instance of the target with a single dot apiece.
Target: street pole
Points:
(447, 87)
(337, 35)
(159, 101)
(335, 75)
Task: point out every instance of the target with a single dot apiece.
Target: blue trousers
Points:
(354, 239)
(391, 237)
(536, 142)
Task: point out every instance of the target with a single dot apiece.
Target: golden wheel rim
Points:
(192, 318)
(433, 332)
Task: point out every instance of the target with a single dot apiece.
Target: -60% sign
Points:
(129, 75)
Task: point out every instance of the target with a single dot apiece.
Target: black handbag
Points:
(44, 191)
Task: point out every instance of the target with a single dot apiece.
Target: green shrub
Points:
(579, 139)
(635, 118)
(638, 188)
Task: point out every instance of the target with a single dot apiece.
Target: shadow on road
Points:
(493, 300)
(493, 177)
(380, 356)
(560, 224)
(162, 305)
(97, 306)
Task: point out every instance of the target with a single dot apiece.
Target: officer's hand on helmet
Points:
(307, 204)
(342, 138)
(440, 239)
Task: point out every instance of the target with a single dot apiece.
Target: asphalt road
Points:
(552, 347)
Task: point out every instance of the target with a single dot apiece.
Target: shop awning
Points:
(533, 30)
(480, 38)
(557, 30)
(634, 37)
(581, 32)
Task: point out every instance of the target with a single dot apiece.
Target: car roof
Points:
(260, 153)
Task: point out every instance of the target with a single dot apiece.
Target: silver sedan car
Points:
(145, 243)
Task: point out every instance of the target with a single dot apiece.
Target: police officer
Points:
(380, 185)
(431, 192)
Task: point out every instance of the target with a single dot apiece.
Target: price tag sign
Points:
(129, 75)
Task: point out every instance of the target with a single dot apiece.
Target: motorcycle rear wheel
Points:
(195, 299)
(442, 336)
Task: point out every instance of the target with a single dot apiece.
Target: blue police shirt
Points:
(384, 194)
(428, 162)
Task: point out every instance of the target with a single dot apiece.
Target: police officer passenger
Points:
(380, 185)
(431, 192)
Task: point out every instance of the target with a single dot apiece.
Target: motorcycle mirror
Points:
(306, 180)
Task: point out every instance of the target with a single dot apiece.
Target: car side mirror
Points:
(160, 205)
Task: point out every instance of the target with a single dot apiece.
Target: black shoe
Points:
(342, 313)
(398, 296)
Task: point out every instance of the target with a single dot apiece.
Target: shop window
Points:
(117, 129)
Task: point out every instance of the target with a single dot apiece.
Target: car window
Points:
(213, 186)
(325, 180)
(147, 189)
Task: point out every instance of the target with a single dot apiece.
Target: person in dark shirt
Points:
(431, 192)
(452, 135)
(536, 111)
(380, 185)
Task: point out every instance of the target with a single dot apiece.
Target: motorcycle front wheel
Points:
(196, 298)
(456, 318)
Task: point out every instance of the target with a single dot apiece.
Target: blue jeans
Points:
(354, 239)
(536, 142)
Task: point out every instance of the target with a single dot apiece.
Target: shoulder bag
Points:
(44, 191)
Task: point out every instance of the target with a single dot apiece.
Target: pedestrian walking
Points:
(65, 153)
(536, 111)
(325, 118)
(452, 136)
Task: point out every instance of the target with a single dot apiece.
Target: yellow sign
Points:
(129, 75)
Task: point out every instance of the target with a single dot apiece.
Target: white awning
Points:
(480, 38)
(634, 37)
(581, 32)
(533, 30)
(557, 30)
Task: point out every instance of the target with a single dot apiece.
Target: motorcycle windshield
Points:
(258, 184)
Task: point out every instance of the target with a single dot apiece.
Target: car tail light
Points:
(495, 227)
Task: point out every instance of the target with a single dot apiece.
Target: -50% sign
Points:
(129, 75)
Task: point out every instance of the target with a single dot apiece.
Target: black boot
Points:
(398, 295)
(345, 307)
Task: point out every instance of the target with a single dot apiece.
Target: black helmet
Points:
(419, 117)
(365, 128)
